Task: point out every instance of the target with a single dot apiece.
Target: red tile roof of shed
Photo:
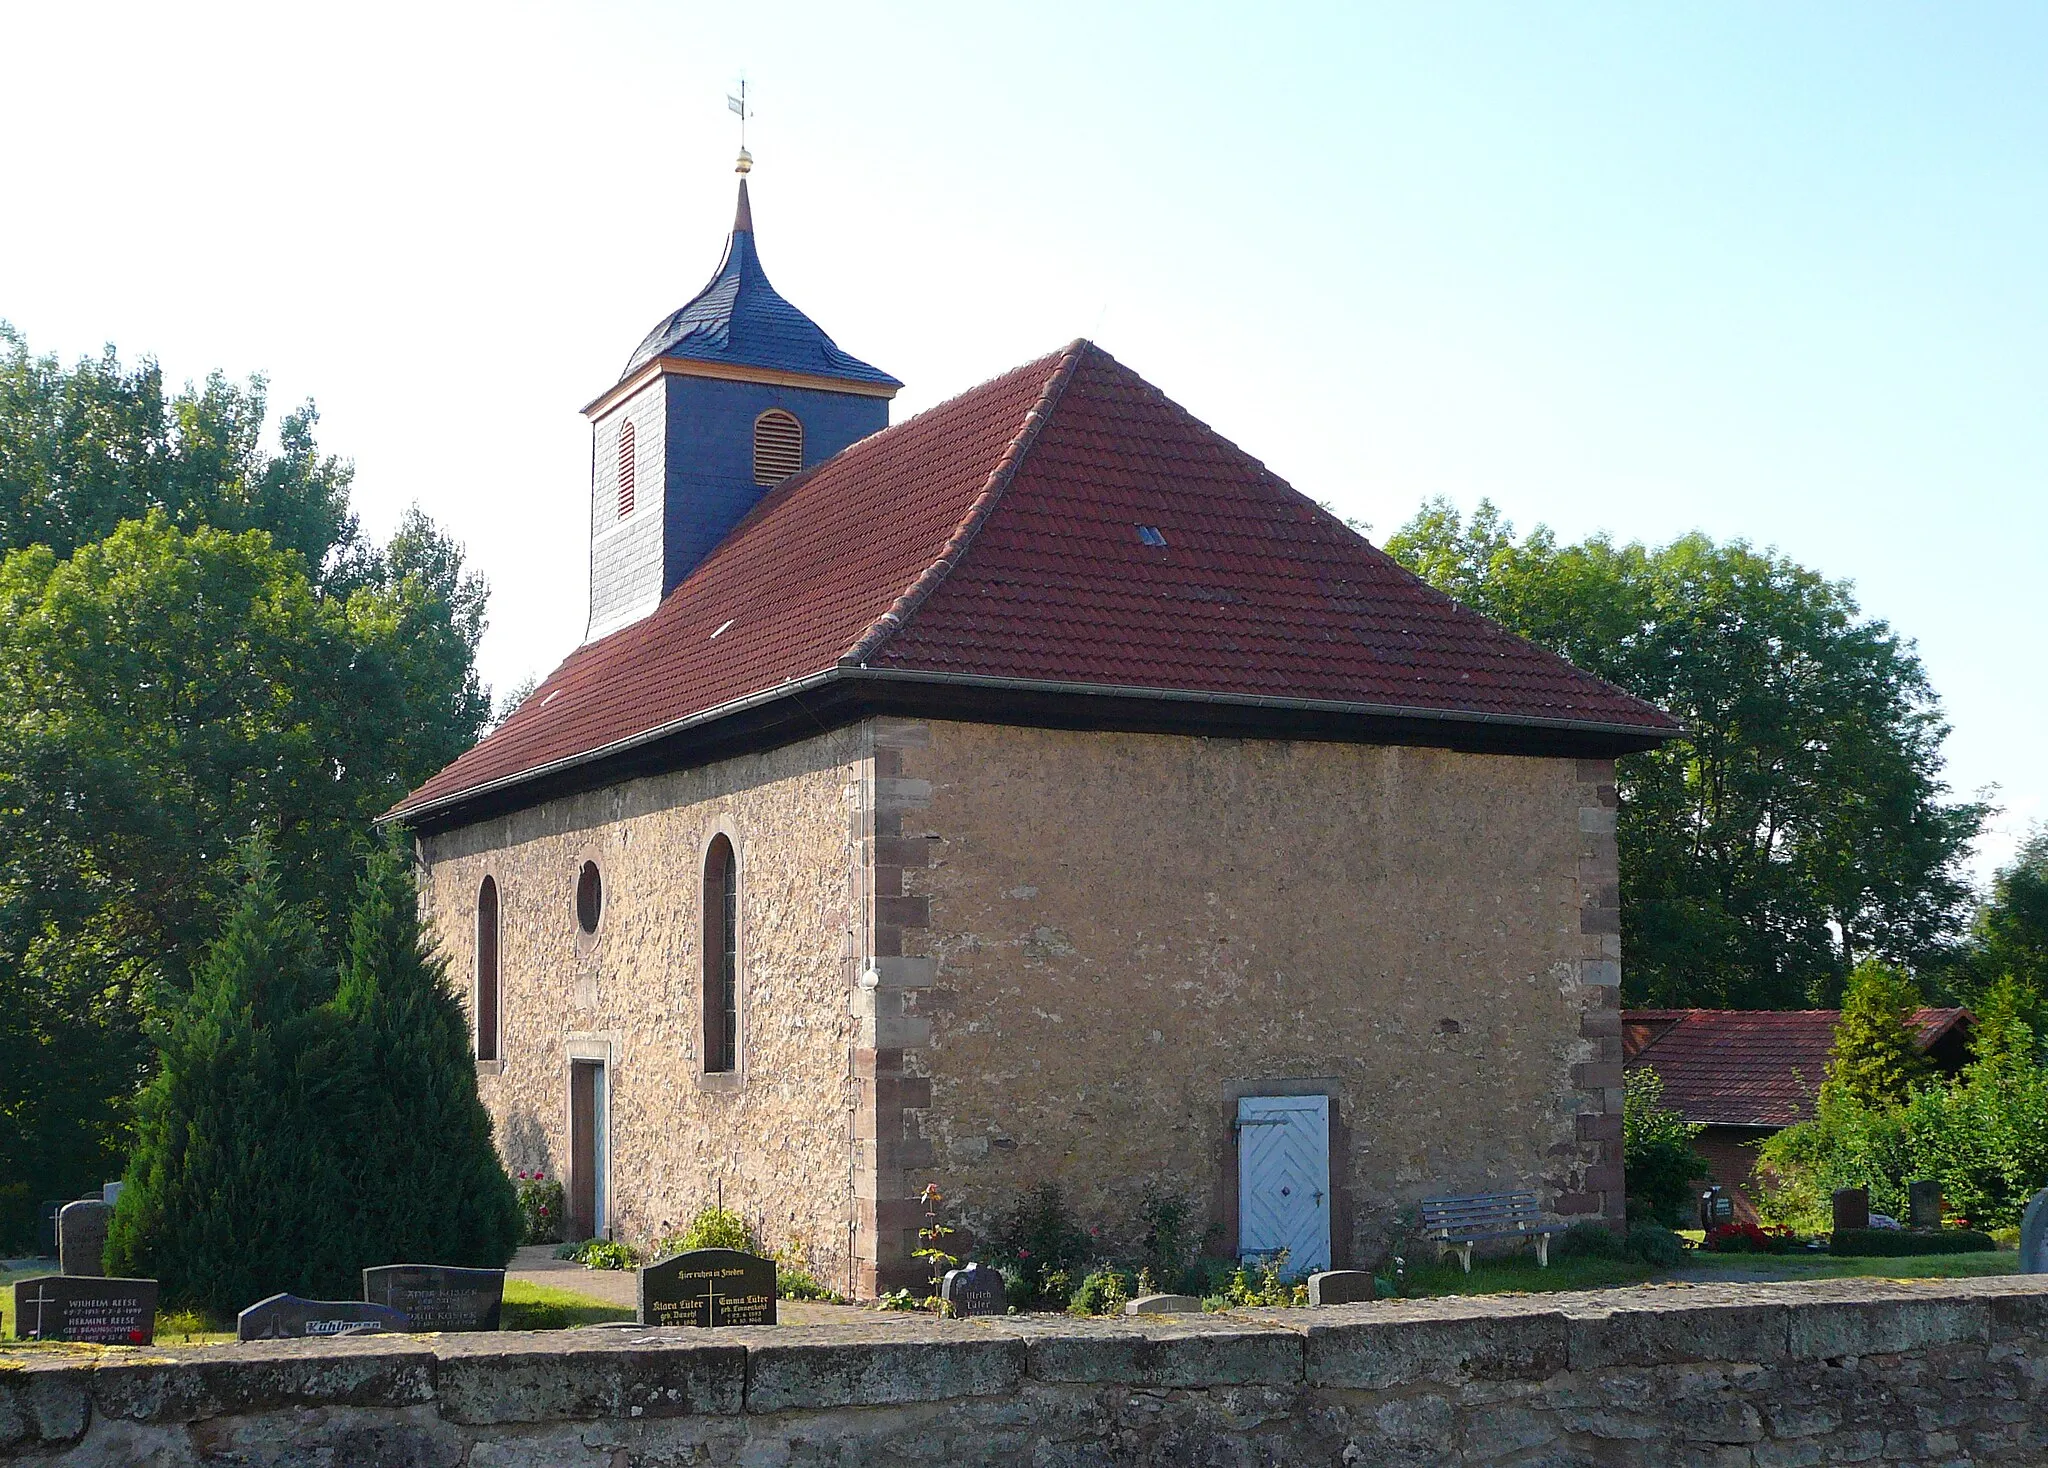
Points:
(999, 535)
(1751, 1067)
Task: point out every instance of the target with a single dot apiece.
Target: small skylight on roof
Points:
(1151, 535)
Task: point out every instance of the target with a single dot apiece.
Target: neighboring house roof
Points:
(1759, 1067)
(1062, 537)
(739, 319)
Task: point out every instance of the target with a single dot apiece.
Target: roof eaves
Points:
(886, 626)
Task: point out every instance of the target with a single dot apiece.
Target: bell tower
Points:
(725, 398)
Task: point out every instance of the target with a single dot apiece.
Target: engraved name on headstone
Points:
(82, 1238)
(60, 1307)
(708, 1287)
(287, 1317)
(975, 1290)
(2034, 1236)
(1852, 1208)
(438, 1296)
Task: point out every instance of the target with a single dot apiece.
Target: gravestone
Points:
(1341, 1287)
(1923, 1205)
(82, 1238)
(1163, 1305)
(975, 1290)
(1716, 1208)
(110, 1193)
(289, 1318)
(438, 1296)
(708, 1287)
(1852, 1208)
(46, 1218)
(2034, 1236)
(62, 1307)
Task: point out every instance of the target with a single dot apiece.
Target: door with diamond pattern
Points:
(1283, 1180)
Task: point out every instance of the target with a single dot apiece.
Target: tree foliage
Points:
(1802, 821)
(196, 643)
(2009, 939)
(1659, 1160)
(298, 1130)
(1875, 1061)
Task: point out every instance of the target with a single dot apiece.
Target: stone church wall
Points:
(775, 1137)
(1123, 933)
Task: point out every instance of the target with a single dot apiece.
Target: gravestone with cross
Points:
(438, 1296)
(108, 1312)
(708, 1287)
(975, 1290)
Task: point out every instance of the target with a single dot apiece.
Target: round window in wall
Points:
(589, 897)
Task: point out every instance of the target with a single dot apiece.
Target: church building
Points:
(1035, 790)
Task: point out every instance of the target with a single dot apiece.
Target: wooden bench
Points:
(1459, 1223)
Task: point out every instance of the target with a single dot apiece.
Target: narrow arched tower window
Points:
(626, 436)
(487, 971)
(778, 446)
(721, 957)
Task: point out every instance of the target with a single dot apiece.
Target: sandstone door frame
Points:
(1224, 1202)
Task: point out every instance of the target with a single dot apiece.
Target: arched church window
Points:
(626, 436)
(589, 897)
(487, 971)
(721, 957)
(778, 446)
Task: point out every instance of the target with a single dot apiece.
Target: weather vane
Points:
(739, 104)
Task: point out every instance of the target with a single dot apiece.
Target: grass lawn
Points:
(543, 1307)
(1827, 1266)
(1496, 1276)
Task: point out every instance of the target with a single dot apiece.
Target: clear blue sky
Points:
(1767, 271)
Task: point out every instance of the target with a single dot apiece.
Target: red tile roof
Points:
(1005, 536)
(1750, 1067)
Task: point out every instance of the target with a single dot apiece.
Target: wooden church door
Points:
(586, 1150)
(1283, 1180)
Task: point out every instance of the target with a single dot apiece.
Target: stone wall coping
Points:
(50, 1394)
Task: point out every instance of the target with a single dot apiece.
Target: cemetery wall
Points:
(1131, 931)
(775, 1136)
(1854, 1371)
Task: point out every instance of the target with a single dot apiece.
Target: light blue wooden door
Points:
(1283, 1180)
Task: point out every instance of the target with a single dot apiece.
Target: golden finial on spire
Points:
(739, 104)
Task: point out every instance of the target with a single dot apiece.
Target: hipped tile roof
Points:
(1749, 1067)
(1007, 534)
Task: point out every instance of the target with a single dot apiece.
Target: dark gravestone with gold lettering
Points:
(289, 1318)
(62, 1307)
(975, 1290)
(438, 1296)
(708, 1287)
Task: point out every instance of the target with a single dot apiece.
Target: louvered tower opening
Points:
(626, 468)
(778, 447)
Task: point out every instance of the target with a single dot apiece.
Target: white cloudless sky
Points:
(1764, 271)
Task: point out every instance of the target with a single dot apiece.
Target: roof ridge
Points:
(883, 628)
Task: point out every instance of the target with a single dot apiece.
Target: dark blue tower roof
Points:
(739, 319)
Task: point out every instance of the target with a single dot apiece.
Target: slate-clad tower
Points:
(720, 402)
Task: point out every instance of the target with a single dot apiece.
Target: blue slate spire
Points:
(740, 320)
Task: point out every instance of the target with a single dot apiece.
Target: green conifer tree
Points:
(1875, 1061)
(230, 1194)
(428, 1184)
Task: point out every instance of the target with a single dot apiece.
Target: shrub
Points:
(795, 1283)
(710, 1228)
(1102, 1292)
(1042, 1243)
(1246, 1287)
(1750, 1238)
(1589, 1241)
(1875, 1059)
(1166, 1251)
(1658, 1158)
(541, 1206)
(1892, 1243)
(605, 1254)
(1652, 1244)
